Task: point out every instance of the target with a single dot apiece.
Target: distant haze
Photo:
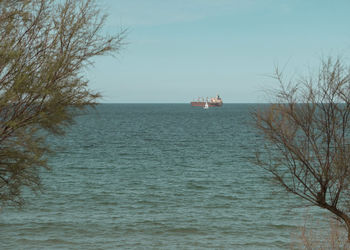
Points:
(180, 50)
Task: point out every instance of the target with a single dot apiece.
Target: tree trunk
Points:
(342, 216)
(347, 223)
(346, 220)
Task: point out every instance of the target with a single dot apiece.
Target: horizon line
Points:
(177, 103)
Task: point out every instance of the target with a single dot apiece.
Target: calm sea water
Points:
(156, 176)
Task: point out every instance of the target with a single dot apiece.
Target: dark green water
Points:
(156, 176)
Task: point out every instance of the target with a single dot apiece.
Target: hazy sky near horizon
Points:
(179, 50)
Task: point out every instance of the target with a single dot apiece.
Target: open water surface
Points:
(156, 176)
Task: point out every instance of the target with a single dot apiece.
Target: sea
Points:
(157, 176)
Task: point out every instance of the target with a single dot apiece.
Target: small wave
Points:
(149, 139)
(108, 203)
(152, 223)
(216, 206)
(45, 241)
(58, 241)
(225, 197)
(152, 187)
(280, 226)
(145, 202)
(185, 230)
(192, 185)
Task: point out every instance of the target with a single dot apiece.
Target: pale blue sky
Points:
(181, 49)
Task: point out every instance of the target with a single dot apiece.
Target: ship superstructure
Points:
(212, 102)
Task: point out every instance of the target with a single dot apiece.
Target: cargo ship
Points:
(212, 102)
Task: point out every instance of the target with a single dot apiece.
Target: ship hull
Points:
(202, 104)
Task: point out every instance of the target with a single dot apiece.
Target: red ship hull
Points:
(202, 104)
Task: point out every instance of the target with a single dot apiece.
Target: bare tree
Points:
(44, 46)
(307, 136)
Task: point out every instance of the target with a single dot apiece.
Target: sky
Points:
(179, 50)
